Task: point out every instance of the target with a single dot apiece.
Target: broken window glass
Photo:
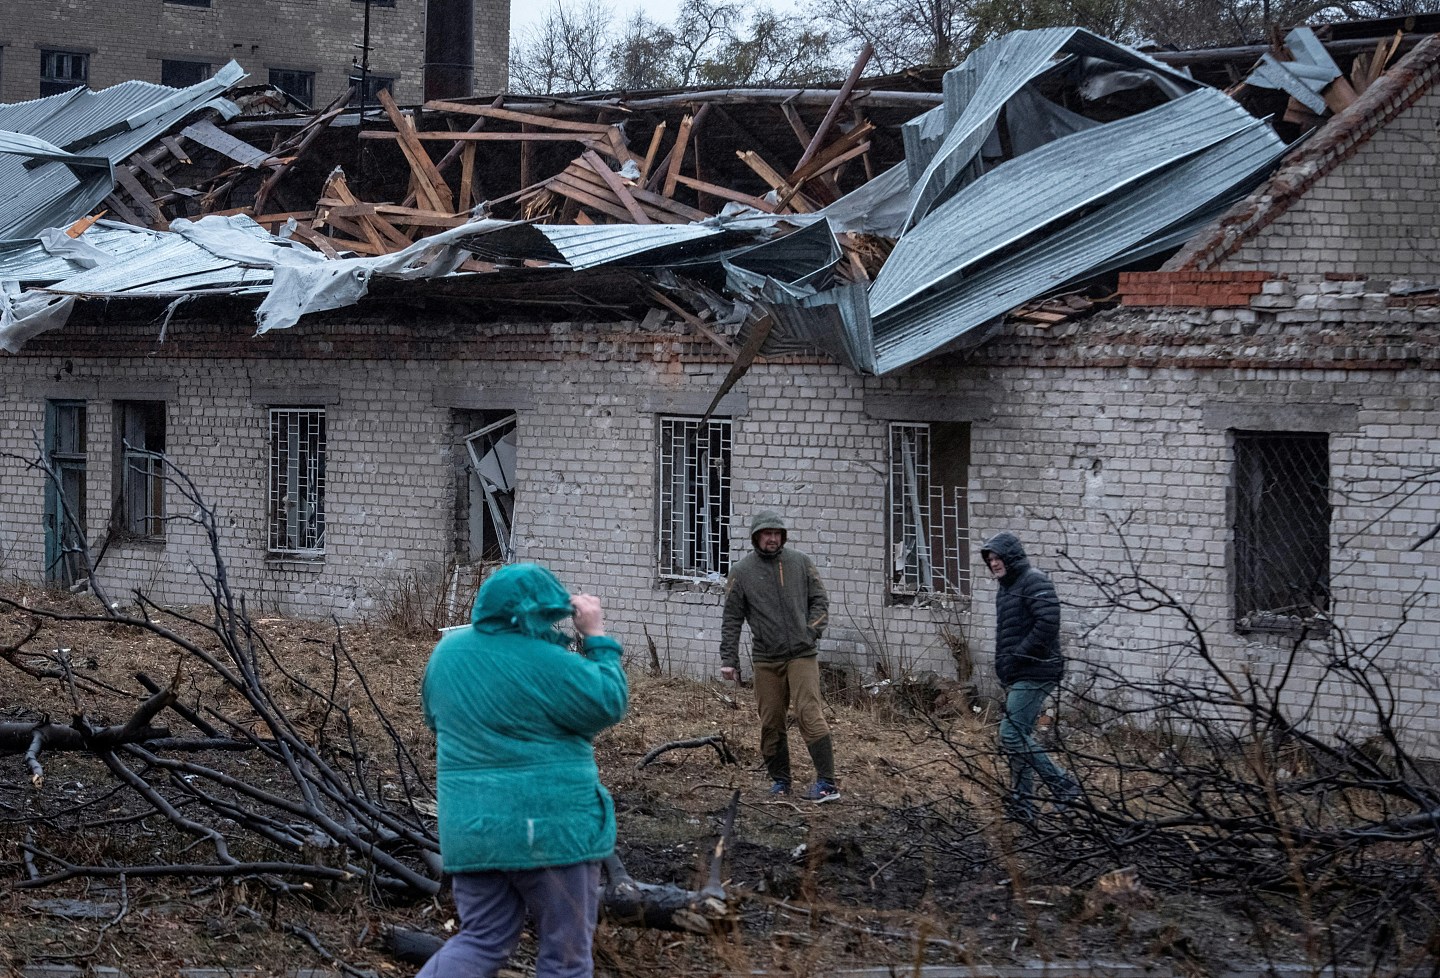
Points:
(694, 498)
(65, 491)
(490, 495)
(297, 481)
(1282, 529)
(929, 531)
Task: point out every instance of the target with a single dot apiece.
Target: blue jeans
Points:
(1023, 702)
(563, 900)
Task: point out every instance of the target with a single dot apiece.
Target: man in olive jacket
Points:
(1029, 665)
(779, 592)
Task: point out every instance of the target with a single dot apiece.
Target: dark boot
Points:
(823, 754)
(777, 765)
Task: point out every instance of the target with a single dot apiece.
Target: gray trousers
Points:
(562, 900)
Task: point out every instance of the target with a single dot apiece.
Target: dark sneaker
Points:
(780, 789)
(1068, 796)
(822, 791)
(1018, 812)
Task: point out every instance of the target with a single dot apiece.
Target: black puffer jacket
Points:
(1027, 617)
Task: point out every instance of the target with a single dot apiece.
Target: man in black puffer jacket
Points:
(1029, 665)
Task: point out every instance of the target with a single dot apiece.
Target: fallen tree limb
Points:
(716, 741)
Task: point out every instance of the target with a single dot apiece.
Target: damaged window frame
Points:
(920, 520)
(485, 470)
(138, 511)
(1281, 523)
(693, 515)
(296, 479)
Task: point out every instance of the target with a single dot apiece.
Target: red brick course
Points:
(1207, 289)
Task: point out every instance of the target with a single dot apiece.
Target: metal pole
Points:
(364, 86)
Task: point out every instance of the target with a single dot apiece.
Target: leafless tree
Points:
(711, 42)
(1241, 778)
(317, 797)
(567, 52)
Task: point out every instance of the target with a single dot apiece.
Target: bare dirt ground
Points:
(913, 867)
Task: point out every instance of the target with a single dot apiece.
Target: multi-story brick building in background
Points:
(310, 48)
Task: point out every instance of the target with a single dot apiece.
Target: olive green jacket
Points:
(784, 601)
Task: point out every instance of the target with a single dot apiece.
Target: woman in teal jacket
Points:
(524, 820)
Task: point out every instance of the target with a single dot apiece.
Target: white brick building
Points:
(1139, 438)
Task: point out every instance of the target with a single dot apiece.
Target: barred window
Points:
(929, 524)
(297, 481)
(1282, 529)
(139, 509)
(694, 498)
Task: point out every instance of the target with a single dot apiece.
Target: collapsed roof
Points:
(908, 221)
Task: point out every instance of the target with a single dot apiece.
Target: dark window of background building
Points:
(299, 85)
(183, 74)
(373, 84)
(61, 71)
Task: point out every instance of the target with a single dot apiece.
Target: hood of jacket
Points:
(522, 598)
(1007, 547)
(767, 520)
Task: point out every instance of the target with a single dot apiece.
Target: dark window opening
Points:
(297, 482)
(65, 527)
(299, 85)
(139, 510)
(183, 74)
(1282, 530)
(61, 71)
(371, 87)
(485, 485)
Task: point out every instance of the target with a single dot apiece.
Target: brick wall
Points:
(1375, 214)
(129, 38)
(1110, 443)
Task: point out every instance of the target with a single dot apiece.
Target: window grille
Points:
(694, 498)
(1282, 528)
(297, 481)
(929, 510)
(140, 506)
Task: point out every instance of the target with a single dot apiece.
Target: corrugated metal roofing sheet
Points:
(1025, 195)
(586, 246)
(1184, 195)
(32, 263)
(112, 124)
(171, 264)
(977, 89)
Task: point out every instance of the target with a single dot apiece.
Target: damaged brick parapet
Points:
(1208, 289)
(1333, 324)
(1336, 142)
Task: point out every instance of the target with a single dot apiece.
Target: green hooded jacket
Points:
(514, 712)
(780, 595)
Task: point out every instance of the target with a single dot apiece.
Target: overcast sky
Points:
(530, 12)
